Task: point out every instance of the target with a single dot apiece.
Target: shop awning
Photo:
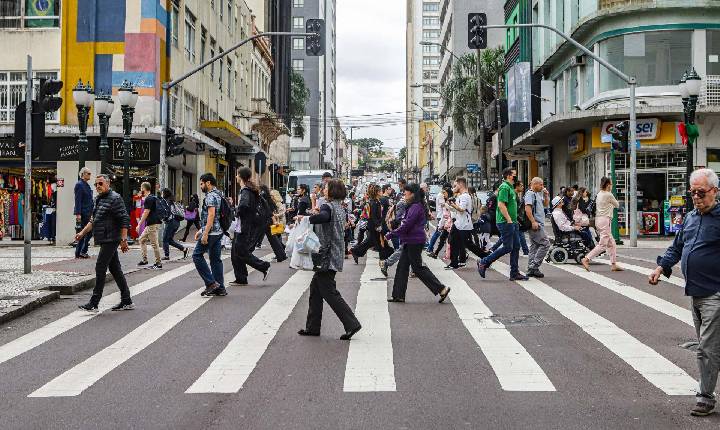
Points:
(238, 142)
(525, 151)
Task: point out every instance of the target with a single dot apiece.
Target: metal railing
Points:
(710, 92)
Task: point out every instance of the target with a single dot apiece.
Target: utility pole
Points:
(27, 234)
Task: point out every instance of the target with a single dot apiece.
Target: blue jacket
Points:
(83, 199)
(697, 247)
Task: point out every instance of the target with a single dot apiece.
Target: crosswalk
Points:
(371, 358)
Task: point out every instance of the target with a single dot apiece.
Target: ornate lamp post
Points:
(128, 98)
(104, 106)
(83, 98)
(689, 90)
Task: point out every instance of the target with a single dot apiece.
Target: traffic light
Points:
(174, 143)
(477, 34)
(49, 88)
(620, 138)
(315, 44)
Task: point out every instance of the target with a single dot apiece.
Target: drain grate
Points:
(531, 320)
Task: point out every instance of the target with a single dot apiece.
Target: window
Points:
(221, 8)
(298, 23)
(230, 14)
(573, 87)
(431, 7)
(560, 95)
(229, 76)
(14, 15)
(298, 43)
(298, 3)
(212, 55)
(203, 42)
(174, 23)
(174, 101)
(189, 110)
(220, 72)
(431, 34)
(431, 21)
(431, 61)
(431, 103)
(431, 49)
(713, 52)
(203, 112)
(12, 92)
(654, 58)
(430, 74)
(589, 90)
(189, 36)
(298, 65)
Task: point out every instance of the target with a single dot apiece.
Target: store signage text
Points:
(647, 129)
(139, 150)
(9, 150)
(576, 143)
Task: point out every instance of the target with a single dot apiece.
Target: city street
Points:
(573, 350)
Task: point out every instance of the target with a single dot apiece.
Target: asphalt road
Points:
(567, 352)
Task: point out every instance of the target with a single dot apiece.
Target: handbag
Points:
(276, 229)
(190, 215)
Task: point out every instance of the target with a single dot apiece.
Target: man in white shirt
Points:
(460, 240)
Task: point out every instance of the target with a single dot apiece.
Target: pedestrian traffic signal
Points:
(477, 33)
(174, 143)
(315, 44)
(49, 88)
(620, 137)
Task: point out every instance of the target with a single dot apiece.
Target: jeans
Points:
(523, 242)
(193, 222)
(510, 245)
(323, 287)
(82, 245)
(214, 273)
(434, 238)
(108, 259)
(171, 227)
(587, 238)
(395, 257)
(150, 234)
(706, 314)
(539, 246)
(412, 257)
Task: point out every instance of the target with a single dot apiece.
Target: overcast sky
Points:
(371, 66)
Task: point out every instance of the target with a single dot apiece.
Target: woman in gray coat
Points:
(330, 228)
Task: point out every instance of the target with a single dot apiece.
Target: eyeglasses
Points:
(700, 193)
(99, 184)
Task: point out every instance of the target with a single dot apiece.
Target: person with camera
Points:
(109, 225)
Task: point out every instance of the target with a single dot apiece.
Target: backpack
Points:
(177, 211)
(162, 208)
(224, 213)
(263, 214)
(491, 204)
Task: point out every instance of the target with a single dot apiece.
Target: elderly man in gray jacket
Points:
(697, 248)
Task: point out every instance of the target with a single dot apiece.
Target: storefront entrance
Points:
(652, 194)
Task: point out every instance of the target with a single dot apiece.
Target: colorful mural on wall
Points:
(110, 41)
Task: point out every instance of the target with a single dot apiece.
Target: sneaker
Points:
(462, 264)
(185, 253)
(482, 268)
(451, 267)
(156, 266)
(384, 269)
(143, 263)
(165, 258)
(217, 291)
(702, 410)
(123, 307)
(237, 283)
(519, 277)
(208, 290)
(535, 273)
(89, 308)
(84, 256)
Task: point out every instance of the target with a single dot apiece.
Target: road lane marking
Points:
(514, 367)
(49, 331)
(658, 370)
(649, 300)
(370, 365)
(81, 377)
(674, 280)
(229, 371)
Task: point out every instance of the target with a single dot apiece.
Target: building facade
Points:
(317, 148)
(655, 41)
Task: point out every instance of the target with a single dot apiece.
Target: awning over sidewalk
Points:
(525, 151)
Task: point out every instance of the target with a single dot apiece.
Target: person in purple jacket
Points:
(411, 233)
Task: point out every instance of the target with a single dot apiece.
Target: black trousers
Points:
(441, 242)
(242, 256)
(108, 259)
(411, 256)
(275, 243)
(372, 240)
(458, 238)
(323, 287)
(195, 222)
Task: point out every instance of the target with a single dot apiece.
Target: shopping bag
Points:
(301, 261)
(310, 243)
(295, 234)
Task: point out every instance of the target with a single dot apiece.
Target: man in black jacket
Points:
(109, 224)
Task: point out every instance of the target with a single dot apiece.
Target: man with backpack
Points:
(154, 211)
(214, 221)
(172, 223)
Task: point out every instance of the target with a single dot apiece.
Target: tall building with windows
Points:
(317, 147)
(655, 41)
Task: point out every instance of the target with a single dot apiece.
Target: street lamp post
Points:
(689, 90)
(83, 98)
(128, 98)
(104, 106)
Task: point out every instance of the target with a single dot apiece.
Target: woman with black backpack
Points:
(269, 208)
(172, 224)
(250, 226)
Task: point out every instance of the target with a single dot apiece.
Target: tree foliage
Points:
(299, 96)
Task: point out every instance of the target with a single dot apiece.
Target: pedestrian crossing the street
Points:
(371, 362)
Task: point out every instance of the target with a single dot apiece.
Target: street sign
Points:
(472, 168)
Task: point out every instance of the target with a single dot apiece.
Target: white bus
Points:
(307, 177)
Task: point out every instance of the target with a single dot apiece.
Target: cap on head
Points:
(556, 201)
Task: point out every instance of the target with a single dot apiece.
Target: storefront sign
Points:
(60, 182)
(677, 201)
(9, 149)
(576, 143)
(651, 222)
(647, 129)
(519, 92)
(139, 150)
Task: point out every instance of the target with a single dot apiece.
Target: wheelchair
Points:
(567, 245)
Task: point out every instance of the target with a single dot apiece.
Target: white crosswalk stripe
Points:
(370, 364)
(674, 280)
(515, 369)
(658, 370)
(229, 371)
(84, 375)
(649, 300)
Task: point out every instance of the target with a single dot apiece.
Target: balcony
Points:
(261, 107)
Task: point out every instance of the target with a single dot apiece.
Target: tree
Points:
(299, 96)
(460, 93)
(368, 147)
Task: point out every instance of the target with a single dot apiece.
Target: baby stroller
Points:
(566, 245)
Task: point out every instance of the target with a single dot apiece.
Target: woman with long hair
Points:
(248, 229)
(192, 215)
(411, 233)
(374, 238)
(329, 226)
(275, 241)
(171, 227)
(605, 205)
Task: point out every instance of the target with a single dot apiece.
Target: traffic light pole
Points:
(632, 83)
(27, 235)
(166, 87)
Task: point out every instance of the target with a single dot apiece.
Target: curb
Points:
(28, 305)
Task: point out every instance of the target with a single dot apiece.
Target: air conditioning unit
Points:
(577, 60)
